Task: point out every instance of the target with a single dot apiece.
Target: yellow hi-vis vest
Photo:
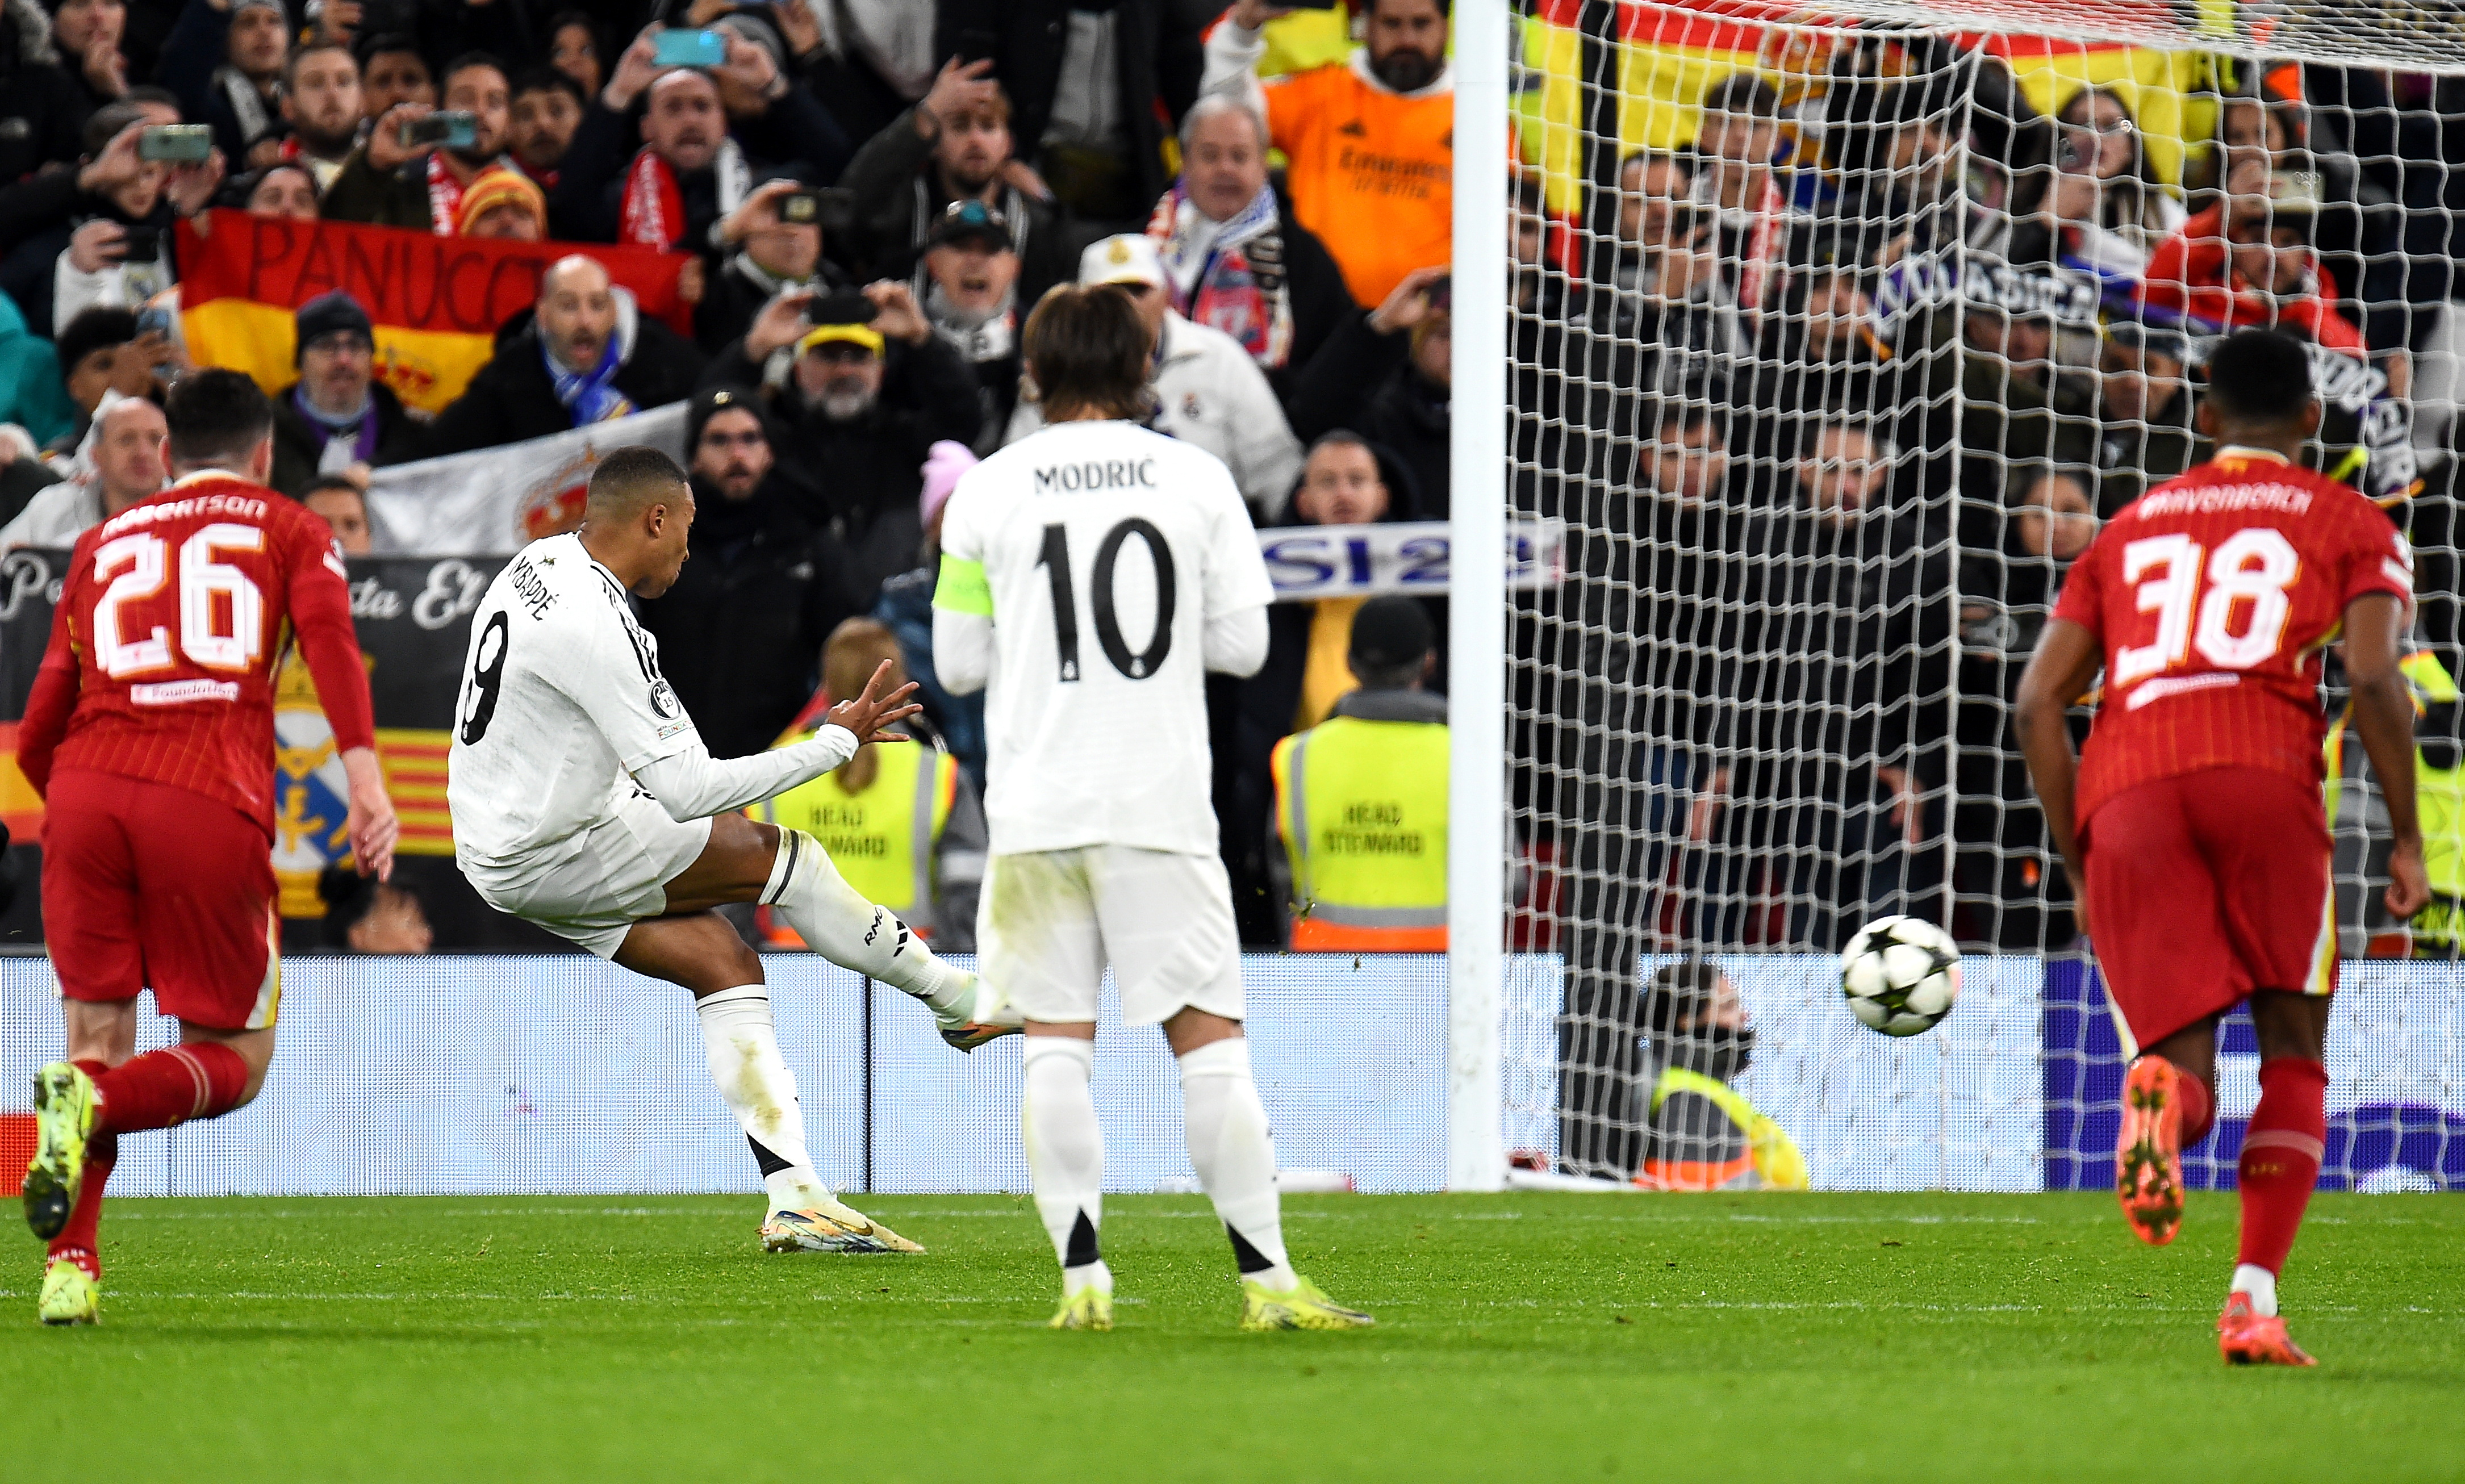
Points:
(1771, 1151)
(2439, 797)
(881, 839)
(1363, 810)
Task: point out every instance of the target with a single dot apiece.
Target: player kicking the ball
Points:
(2193, 830)
(150, 735)
(1091, 575)
(584, 801)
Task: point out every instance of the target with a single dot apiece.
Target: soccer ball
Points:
(1900, 975)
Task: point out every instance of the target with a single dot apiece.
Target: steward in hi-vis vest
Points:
(2439, 930)
(1701, 1133)
(899, 820)
(1361, 798)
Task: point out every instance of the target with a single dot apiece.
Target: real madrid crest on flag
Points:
(310, 792)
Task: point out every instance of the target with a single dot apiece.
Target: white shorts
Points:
(1050, 921)
(593, 885)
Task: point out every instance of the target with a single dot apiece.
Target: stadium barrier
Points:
(564, 1076)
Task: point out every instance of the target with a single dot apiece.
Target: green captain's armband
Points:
(962, 588)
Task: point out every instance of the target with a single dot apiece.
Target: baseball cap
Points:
(964, 220)
(846, 317)
(1390, 631)
(1129, 257)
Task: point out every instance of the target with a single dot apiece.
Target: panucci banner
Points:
(436, 302)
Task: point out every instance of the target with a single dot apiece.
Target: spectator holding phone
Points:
(418, 162)
(716, 105)
(1370, 142)
(225, 63)
(98, 236)
(392, 72)
(868, 390)
(773, 244)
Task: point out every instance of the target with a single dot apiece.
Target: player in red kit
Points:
(150, 735)
(2192, 826)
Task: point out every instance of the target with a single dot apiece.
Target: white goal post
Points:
(1994, 346)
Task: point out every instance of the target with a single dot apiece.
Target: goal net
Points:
(1832, 335)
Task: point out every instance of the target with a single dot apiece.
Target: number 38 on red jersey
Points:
(2212, 597)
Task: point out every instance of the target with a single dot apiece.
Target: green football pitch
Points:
(1531, 1337)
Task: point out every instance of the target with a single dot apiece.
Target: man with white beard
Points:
(870, 389)
(969, 281)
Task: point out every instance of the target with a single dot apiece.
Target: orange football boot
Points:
(2148, 1157)
(2247, 1338)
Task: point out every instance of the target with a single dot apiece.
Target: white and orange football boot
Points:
(2247, 1338)
(2148, 1156)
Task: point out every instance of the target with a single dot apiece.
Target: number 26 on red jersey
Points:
(136, 568)
(2199, 596)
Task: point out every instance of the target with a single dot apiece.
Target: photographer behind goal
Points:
(1700, 1131)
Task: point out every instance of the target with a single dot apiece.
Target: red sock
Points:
(76, 1240)
(2280, 1158)
(2199, 1107)
(164, 1089)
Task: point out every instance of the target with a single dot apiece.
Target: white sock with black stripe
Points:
(1235, 1154)
(1065, 1155)
(742, 1047)
(843, 927)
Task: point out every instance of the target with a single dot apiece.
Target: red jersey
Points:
(2212, 596)
(171, 623)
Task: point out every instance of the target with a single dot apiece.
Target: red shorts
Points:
(151, 887)
(2205, 887)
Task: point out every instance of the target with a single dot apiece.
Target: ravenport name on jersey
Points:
(2212, 597)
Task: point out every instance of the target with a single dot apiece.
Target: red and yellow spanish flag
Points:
(435, 301)
(1670, 51)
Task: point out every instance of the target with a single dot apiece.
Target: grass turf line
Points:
(1879, 1337)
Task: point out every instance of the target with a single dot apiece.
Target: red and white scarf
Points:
(445, 191)
(653, 213)
(1763, 244)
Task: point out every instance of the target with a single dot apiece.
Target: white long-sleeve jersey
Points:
(1105, 570)
(563, 711)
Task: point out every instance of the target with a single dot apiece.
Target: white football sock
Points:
(853, 932)
(742, 1046)
(1065, 1154)
(1235, 1154)
(2260, 1284)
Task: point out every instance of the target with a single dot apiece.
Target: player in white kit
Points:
(1091, 575)
(584, 801)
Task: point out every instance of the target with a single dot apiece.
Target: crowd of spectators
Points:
(1809, 499)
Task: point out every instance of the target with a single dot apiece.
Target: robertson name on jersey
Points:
(2212, 596)
(171, 622)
